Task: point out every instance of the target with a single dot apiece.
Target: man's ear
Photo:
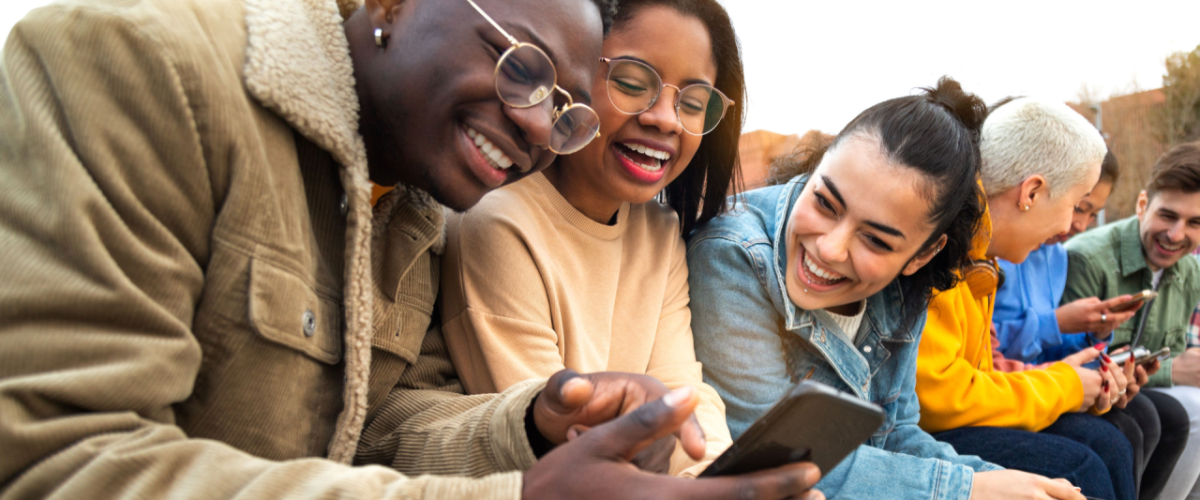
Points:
(1032, 188)
(923, 257)
(1142, 202)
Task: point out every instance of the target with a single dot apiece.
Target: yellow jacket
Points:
(955, 380)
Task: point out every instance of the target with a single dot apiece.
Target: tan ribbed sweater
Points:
(531, 285)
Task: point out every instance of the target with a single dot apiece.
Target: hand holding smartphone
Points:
(1141, 355)
(813, 422)
(1138, 298)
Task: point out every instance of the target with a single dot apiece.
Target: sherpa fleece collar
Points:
(298, 65)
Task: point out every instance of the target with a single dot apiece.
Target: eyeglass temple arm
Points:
(493, 23)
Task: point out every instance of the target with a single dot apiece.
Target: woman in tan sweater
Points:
(583, 266)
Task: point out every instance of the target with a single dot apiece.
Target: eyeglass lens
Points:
(525, 76)
(574, 129)
(634, 87)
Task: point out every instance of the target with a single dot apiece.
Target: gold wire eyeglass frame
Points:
(542, 93)
(678, 92)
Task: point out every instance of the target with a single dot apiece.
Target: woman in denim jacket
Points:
(827, 278)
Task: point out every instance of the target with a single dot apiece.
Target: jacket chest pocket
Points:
(287, 310)
(400, 324)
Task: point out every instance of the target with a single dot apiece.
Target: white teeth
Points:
(490, 152)
(821, 273)
(653, 153)
(652, 168)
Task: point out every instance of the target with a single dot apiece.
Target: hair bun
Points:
(966, 107)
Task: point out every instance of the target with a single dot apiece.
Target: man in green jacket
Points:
(1151, 252)
(197, 299)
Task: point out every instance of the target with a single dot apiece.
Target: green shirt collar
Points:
(1132, 257)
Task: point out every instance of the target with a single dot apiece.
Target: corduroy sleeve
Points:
(958, 388)
(105, 209)
(427, 426)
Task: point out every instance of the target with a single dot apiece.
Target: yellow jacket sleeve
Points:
(957, 386)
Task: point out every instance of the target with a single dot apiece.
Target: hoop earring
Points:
(380, 40)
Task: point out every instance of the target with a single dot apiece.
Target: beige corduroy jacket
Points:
(196, 300)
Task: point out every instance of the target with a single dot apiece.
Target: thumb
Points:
(567, 391)
(625, 436)
(1082, 357)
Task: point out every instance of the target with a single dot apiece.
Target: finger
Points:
(1120, 349)
(789, 481)
(1143, 373)
(566, 391)
(1082, 357)
(692, 437)
(1150, 369)
(625, 436)
(576, 430)
(1062, 489)
(1116, 301)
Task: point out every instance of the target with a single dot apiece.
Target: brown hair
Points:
(803, 159)
(1109, 170)
(1178, 169)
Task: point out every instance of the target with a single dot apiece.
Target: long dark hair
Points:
(699, 193)
(936, 132)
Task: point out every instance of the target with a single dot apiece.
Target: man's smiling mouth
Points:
(490, 152)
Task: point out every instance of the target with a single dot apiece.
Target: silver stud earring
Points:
(379, 40)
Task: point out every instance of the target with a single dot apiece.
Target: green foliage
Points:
(1179, 118)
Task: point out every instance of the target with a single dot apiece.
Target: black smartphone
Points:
(812, 423)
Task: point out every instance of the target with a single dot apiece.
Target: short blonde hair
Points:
(1029, 136)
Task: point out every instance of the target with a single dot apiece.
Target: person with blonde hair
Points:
(1040, 159)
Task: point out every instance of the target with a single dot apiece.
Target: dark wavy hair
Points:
(699, 193)
(936, 132)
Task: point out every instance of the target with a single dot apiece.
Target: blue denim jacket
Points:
(755, 344)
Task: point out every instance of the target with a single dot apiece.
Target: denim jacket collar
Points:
(854, 364)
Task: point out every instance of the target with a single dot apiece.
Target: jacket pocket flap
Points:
(288, 311)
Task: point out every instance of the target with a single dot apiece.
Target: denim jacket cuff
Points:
(953, 481)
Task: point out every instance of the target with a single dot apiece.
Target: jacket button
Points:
(866, 348)
(310, 323)
(343, 205)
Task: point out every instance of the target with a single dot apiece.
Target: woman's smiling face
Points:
(858, 224)
(616, 164)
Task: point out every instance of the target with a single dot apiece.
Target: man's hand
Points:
(571, 404)
(596, 464)
(1093, 315)
(1185, 368)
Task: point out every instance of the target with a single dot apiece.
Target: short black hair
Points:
(608, 10)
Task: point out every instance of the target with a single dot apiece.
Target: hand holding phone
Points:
(812, 423)
(1138, 299)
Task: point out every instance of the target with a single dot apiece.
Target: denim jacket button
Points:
(866, 348)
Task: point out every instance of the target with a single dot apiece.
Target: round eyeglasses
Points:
(634, 87)
(525, 77)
